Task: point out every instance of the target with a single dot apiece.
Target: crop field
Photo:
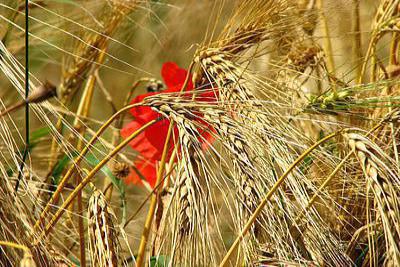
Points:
(199, 133)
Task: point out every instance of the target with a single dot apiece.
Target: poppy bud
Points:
(120, 170)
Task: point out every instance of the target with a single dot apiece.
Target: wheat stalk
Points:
(89, 50)
(189, 241)
(383, 17)
(251, 178)
(262, 64)
(16, 226)
(225, 75)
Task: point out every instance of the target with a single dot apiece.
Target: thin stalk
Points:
(118, 125)
(327, 39)
(54, 149)
(322, 186)
(128, 98)
(394, 49)
(394, 46)
(330, 177)
(253, 217)
(83, 110)
(166, 177)
(71, 170)
(356, 31)
(88, 179)
(356, 236)
(373, 68)
(172, 159)
(13, 245)
(26, 149)
(153, 203)
(366, 59)
(369, 229)
(105, 92)
(124, 225)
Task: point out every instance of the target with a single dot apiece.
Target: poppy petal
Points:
(174, 77)
(143, 113)
(156, 135)
(141, 142)
(150, 142)
(133, 178)
(209, 96)
(146, 169)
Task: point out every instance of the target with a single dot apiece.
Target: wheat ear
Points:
(104, 248)
(382, 182)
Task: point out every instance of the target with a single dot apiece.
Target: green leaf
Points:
(10, 172)
(159, 261)
(93, 161)
(59, 168)
(39, 133)
(36, 135)
(308, 160)
(75, 261)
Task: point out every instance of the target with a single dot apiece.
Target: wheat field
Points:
(199, 133)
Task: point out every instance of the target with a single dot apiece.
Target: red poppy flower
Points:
(150, 143)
